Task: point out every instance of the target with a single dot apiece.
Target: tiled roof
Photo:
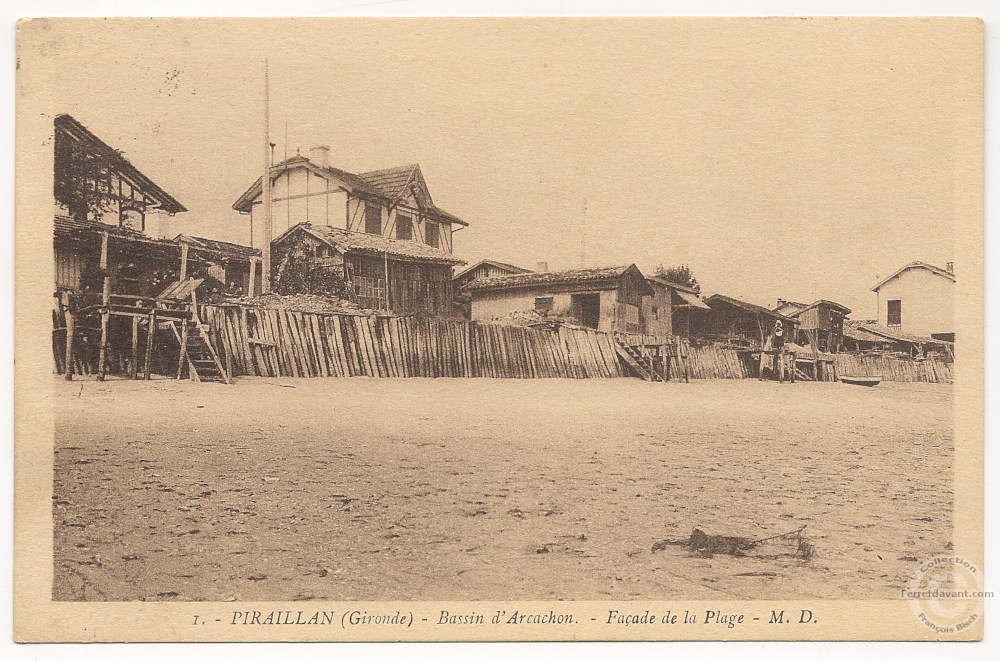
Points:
(843, 309)
(916, 265)
(69, 227)
(234, 249)
(374, 244)
(489, 262)
(749, 307)
(606, 273)
(889, 334)
(388, 185)
(391, 182)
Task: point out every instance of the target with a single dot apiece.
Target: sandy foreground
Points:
(469, 489)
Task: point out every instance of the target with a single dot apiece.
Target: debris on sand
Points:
(708, 545)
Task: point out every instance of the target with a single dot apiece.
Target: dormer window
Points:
(432, 234)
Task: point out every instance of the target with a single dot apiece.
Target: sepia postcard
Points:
(499, 329)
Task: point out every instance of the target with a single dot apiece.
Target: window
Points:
(404, 227)
(894, 314)
(543, 305)
(431, 234)
(373, 218)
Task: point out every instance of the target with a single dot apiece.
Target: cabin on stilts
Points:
(125, 301)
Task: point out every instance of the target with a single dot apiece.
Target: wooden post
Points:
(792, 366)
(252, 285)
(70, 325)
(149, 344)
(184, 262)
(184, 355)
(134, 366)
(105, 307)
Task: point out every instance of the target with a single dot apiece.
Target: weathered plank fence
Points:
(255, 341)
(274, 342)
(931, 370)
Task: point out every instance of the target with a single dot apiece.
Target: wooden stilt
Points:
(134, 365)
(105, 308)
(184, 262)
(70, 326)
(252, 285)
(182, 338)
(149, 344)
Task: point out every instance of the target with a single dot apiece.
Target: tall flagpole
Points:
(266, 187)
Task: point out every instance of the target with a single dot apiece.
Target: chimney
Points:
(320, 155)
(542, 267)
(781, 302)
(950, 267)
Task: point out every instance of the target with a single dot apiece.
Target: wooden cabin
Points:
(378, 273)
(821, 323)
(607, 299)
(671, 308)
(740, 323)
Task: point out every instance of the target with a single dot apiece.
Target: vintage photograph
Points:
(554, 310)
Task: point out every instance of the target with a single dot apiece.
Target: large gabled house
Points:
(917, 299)
(381, 230)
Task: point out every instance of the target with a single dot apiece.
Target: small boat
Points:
(868, 381)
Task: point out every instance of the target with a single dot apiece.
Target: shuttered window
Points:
(894, 314)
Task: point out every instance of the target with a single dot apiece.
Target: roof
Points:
(673, 285)
(346, 241)
(692, 299)
(490, 262)
(606, 274)
(749, 307)
(843, 309)
(163, 200)
(856, 331)
(891, 334)
(388, 185)
(233, 249)
(67, 227)
(916, 265)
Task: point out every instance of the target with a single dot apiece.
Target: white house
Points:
(918, 300)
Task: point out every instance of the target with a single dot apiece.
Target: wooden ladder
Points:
(203, 363)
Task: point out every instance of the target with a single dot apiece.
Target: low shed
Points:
(606, 298)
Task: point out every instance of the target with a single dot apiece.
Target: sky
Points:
(800, 159)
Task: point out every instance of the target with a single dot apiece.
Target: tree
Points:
(681, 275)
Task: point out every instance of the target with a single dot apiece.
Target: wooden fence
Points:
(931, 370)
(273, 342)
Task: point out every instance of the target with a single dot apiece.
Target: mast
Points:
(266, 188)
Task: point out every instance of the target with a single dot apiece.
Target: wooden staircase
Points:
(654, 359)
(197, 351)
